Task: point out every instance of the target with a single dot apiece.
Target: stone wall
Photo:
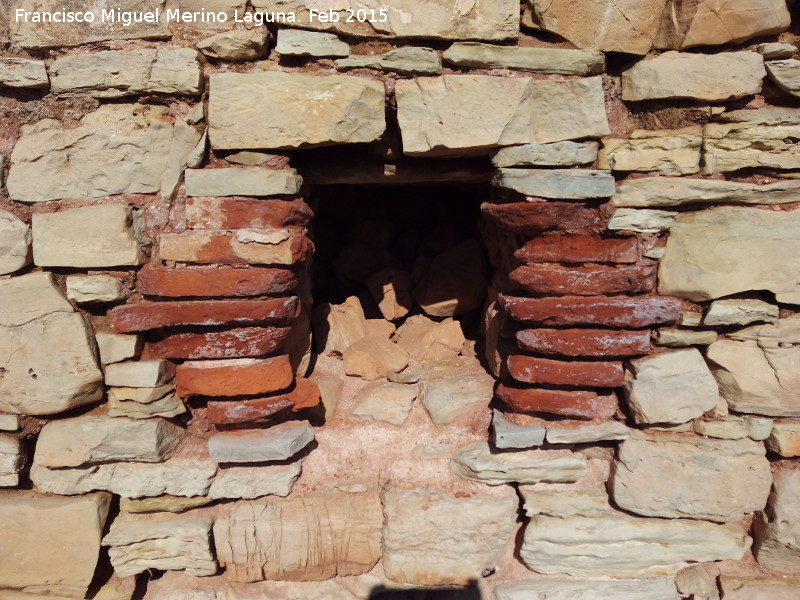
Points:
(625, 425)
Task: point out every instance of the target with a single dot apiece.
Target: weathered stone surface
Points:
(680, 338)
(239, 247)
(118, 73)
(452, 542)
(234, 377)
(558, 402)
(476, 461)
(579, 249)
(292, 113)
(171, 504)
(233, 343)
(624, 546)
(95, 288)
(758, 428)
(585, 434)
(591, 589)
(677, 191)
(527, 369)
(776, 50)
(777, 530)
(246, 213)
(409, 61)
(117, 149)
(89, 440)
(12, 459)
(29, 297)
(93, 236)
(391, 289)
(786, 73)
(757, 588)
(144, 316)
(702, 246)
(140, 374)
(164, 542)
(667, 152)
(704, 77)
(247, 411)
(506, 435)
(381, 401)
(298, 42)
(373, 357)
(427, 340)
(9, 422)
(766, 114)
(23, 73)
(568, 184)
(563, 502)
(30, 34)
(584, 342)
(177, 476)
(248, 483)
(28, 519)
(144, 403)
(533, 218)
(260, 445)
(449, 399)
(338, 326)
(732, 146)
(609, 25)
(311, 538)
(454, 283)
(219, 281)
(784, 438)
(538, 60)
(237, 44)
(672, 475)
(612, 311)
(242, 181)
(735, 311)
(15, 243)
(641, 220)
(696, 581)
(558, 280)
(557, 154)
(434, 113)
(671, 387)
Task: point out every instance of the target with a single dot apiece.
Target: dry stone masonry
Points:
(405, 299)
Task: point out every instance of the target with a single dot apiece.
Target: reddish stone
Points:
(154, 315)
(527, 369)
(579, 249)
(239, 247)
(584, 342)
(236, 377)
(246, 213)
(221, 281)
(532, 218)
(585, 281)
(305, 394)
(619, 311)
(234, 343)
(555, 402)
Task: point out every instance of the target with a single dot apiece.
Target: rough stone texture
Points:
(23, 73)
(707, 23)
(85, 289)
(776, 50)
(533, 218)
(477, 461)
(584, 342)
(622, 546)
(234, 377)
(237, 44)
(704, 77)
(297, 42)
(776, 532)
(233, 343)
(666, 152)
(610, 25)
(527, 369)
(736, 311)
(30, 297)
(248, 483)
(242, 181)
(163, 542)
(384, 401)
(89, 440)
(144, 403)
(240, 247)
(558, 154)
(579, 249)
(310, 538)
(15, 243)
(558, 402)
(563, 502)
(567, 184)
(784, 438)
(732, 146)
(680, 338)
(290, 113)
(452, 542)
(172, 504)
(374, 357)
(408, 61)
(538, 60)
(583, 434)
(140, 374)
(641, 220)
(557, 280)
(9, 422)
(30, 520)
(219, 281)
(260, 445)
(592, 589)
(118, 73)
(247, 411)
(248, 213)
(391, 289)
(427, 340)
(702, 246)
(756, 588)
(679, 476)
(671, 387)
(12, 460)
(449, 399)
(117, 149)
(433, 113)
(786, 74)
(92, 236)
(506, 435)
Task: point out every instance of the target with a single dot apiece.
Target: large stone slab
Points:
(678, 191)
(777, 530)
(558, 154)
(622, 546)
(564, 588)
(568, 184)
(288, 110)
(732, 146)
(310, 538)
(259, 445)
(35, 529)
(477, 461)
(758, 588)
(15, 243)
(117, 149)
(703, 247)
(457, 538)
(538, 60)
(674, 475)
(706, 77)
(437, 116)
(244, 181)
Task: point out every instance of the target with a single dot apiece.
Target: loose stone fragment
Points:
(427, 340)
(476, 461)
(667, 152)
(734, 311)
(374, 357)
(248, 483)
(451, 543)
(388, 402)
(449, 399)
(703, 77)
(538, 60)
(680, 338)
(391, 289)
(563, 503)
(507, 435)
(144, 403)
(672, 387)
(297, 42)
(243, 181)
(785, 438)
(588, 434)
(95, 288)
(140, 374)
(776, 529)
(527, 369)
(786, 73)
(776, 50)
(454, 283)
(728, 478)
(240, 247)
(234, 377)
(641, 220)
(558, 154)
(260, 445)
(409, 61)
(237, 44)
(584, 342)
(592, 589)
(568, 184)
(15, 243)
(677, 191)
(23, 73)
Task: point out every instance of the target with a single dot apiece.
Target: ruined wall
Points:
(624, 426)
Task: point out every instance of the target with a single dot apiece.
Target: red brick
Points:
(527, 369)
(620, 311)
(555, 402)
(305, 394)
(557, 280)
(585, 342)
(579, 249)
(532, 218)
(154, 315)
(209, 281)
(239, 247)
(234, 343)
(236, 377)
(246, 213)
